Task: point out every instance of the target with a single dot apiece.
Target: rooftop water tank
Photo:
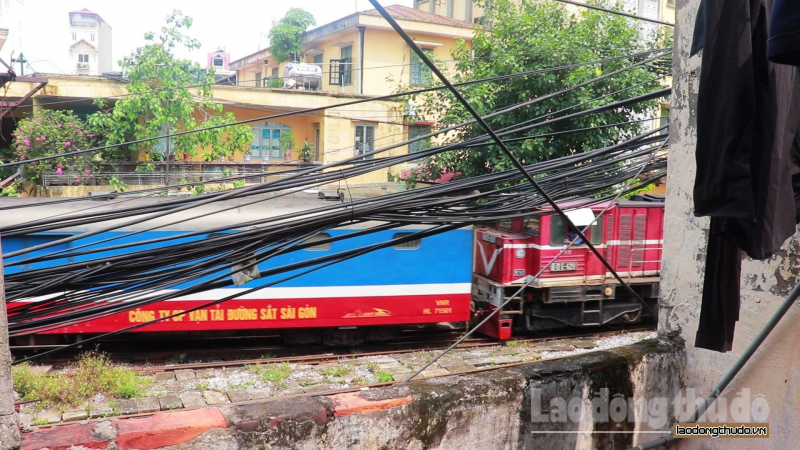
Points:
(307, 76)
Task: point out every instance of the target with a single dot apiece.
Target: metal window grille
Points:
(365, 139)
(624, 255)
(421, 75)
(346, 65)
(416, 131)
(409, 245)
(639, 224)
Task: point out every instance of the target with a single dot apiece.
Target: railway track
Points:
(228, 351)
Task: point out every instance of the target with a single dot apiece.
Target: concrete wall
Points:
(511, 408)
(774, 371)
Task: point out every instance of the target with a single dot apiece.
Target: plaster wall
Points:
(774, 371)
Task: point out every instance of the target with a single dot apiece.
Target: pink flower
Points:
(68, 143)
(87, 171)
(38, 139)
(69, 125)
(43, 138)
(27, 142)
(58, 126)
(91, 135)
(80, 132)
(59, 171)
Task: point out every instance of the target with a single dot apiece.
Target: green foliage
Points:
(306, 152)
(527, 36)
(93, 373)
(384, 376)
(199, 189)
(337, 371)
(238, 184)
(277, 83)
(285, 37)
(147, 168)
(169, 94)
(271, 373)
(287, 140)
(52, 133)
(11, 190)
(118, 184)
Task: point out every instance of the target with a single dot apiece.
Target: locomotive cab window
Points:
(558, 231)
(409, 245)
(317, 238)
(596, 232)
(531, 226)
(505, 224)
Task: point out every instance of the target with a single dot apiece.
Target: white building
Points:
(90, 43)
(11, 30)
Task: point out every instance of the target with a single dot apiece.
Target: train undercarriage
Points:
(540, 309)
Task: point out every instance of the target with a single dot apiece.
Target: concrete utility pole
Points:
(9, 428)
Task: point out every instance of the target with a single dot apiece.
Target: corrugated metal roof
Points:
(405, 13)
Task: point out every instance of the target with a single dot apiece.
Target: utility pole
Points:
(9, 428)
(21, 60)
(166, 179)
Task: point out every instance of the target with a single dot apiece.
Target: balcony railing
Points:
(331, 28)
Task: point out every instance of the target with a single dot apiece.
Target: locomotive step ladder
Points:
(513, 307)
(592, 312)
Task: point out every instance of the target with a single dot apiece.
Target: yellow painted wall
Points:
(385, 48)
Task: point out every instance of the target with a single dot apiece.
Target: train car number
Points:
(558, 267)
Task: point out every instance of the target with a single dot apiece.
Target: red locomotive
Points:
(576, 290)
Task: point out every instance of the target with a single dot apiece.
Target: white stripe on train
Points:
(276, 293)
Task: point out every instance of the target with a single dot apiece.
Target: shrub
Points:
(93, 373)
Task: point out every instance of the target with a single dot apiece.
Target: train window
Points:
(409, 245)
(596, 231)
(505, 224)
(558, 231)
(316, 238)
(531, 226)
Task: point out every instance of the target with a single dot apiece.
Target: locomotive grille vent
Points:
(625, 239)
(610, 229)
(638, 238)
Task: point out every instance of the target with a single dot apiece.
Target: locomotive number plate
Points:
(558, 267)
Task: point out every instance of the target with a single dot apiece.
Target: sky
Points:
(237, 25)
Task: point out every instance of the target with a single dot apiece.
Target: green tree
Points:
(169, 94)
(284, 38)
(535, 35)
(56, 133)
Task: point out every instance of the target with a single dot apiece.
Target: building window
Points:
(258, 79)
(317, 238)
(421, 75)
(335, 75)
(266, 143)
(664, 119)
(365, 139)
(416, 131)
(91, 36)
(83, 20)
(218, 62)
(83, 58)
(318, 60)
(347, 65)
(671, 3)
(408, 245)
(275, 73)
(74, 36)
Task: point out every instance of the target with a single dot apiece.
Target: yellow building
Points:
(333, 132)
(362, 54)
